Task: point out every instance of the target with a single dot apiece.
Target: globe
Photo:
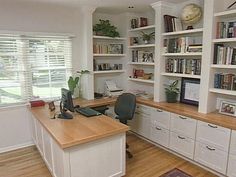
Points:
(191, 14)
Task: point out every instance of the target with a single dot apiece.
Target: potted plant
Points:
(147, 37)
(172, 92)
(73, 83)
(104, 28)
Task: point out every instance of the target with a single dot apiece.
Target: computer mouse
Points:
(77, 106)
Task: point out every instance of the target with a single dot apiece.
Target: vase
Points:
(171, 97)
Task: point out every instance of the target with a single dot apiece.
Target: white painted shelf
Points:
(181, 75)
(142, 46)
(107, 55)
(223, 66)
(109, 38)
(183, 54)
(222, 91)
(224, 40)
(228, 13)
(192, 31)
(142, 28)
(141, 63)
(109, 72)
(141, 80)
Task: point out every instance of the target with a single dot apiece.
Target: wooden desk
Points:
(80, 147)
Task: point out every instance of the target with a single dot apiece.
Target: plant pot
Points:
(171, 97)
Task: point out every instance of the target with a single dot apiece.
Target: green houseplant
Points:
(73, 82)
(104, 28)
(147, 37)
(172, 92)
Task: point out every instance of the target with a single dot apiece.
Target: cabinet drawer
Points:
(233, 143)
(183, 125)
(160, 135)
(143, 109)
(211, 157)
(182, 144)
(214, 135)
(231, 166)
(161, 118)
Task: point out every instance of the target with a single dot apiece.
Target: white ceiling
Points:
(112, 6)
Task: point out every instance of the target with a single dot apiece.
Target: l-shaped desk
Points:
(95, 147)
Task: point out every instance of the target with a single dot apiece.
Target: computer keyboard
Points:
(86, 111)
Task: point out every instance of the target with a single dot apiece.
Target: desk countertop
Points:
(80, 129)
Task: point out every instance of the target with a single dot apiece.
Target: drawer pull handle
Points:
(212, 126)
(158, 128)
(158, 110)
(211, 149)
(180, 137)
(181, 117)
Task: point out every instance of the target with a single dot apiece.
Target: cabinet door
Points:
(161, 118)
(144, 125)
(211, 157)
(39, 133)
(144, 109)
(47, 149)
(182, 144)
(33, 129)
(232, 166)
(233, 143)
(183, 125)
(160, 135)
(214, 135)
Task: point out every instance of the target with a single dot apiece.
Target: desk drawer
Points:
(233, 143)
(183, 125)
(182, 144)
(214, 135)
(161, 118)
(160, 135)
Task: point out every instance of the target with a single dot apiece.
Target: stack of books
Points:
(226, 29)
(138, 22)
(172, 23)
(224, 55)
(101, 48)
(183, 66)
(225, 81)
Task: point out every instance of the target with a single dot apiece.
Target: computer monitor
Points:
(66, 104)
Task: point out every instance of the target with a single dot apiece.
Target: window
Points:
(33, 67)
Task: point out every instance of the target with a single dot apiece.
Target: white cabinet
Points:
(183, 125)
(182, 144)
(160, 135)
(213, 135)
(33, 130)
(211, 157)
(39, 133)
(47, 142)
(161, 118)
(232, 156)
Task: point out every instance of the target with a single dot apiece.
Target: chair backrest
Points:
(125, 106)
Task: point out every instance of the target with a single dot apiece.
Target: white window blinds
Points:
(33, 67)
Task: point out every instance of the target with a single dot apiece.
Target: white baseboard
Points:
(18, 146)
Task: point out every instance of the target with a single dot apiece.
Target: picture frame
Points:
(228, 108)
(51, 106)
(116, 49)
(190, 91)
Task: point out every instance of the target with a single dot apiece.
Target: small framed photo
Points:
(228, 108)
(190, 91)
(51, 106)
(116, 49)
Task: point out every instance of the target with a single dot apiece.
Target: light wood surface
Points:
(80, 129)
(148, 161)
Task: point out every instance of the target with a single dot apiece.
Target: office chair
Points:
(124, 108)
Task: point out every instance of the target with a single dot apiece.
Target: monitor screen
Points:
(66, 104)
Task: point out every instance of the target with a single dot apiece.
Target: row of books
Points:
(224, 55)
(225, 81)
(226, 29)
(107, 66)
(138, 22)
(142, 56)
(172, 23)
(101, 48)
(183, 66)
(181, 45)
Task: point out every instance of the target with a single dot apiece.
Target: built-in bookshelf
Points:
(109, 72)
(141, 80)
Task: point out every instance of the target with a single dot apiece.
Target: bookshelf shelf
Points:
(193, 31)
(142, 28)
(108, 38)
(182, 54)
(109, 72)
(141, 80)
(108, 55)
(224, 40)
(228, 14)
(141, 63)
(223, 66)
(222, 91)
(141, 46)
(181, 75)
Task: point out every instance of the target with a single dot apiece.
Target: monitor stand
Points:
(65, 115)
